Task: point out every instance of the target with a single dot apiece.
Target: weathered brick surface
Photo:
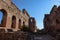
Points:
(32, 24)
(9, 10)
(52, 20)
(13, 18)
(15, 36)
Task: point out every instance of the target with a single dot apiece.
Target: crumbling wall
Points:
(51, 19)
(32, 24)
(15, 36)
(11, 10)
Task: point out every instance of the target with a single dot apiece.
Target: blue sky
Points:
(37, 8)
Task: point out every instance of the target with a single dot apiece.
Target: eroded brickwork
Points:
(32, 24)
(13, 18)
(52, 20)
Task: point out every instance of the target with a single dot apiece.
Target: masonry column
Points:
(17, 22)
(32, 24)
(9, 17)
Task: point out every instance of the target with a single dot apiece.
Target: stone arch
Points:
(13, 25)
(19, 26)
(4, 17)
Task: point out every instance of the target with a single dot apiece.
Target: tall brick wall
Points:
(12, 10)
(32, 24)
(13, 18)
(52, 20)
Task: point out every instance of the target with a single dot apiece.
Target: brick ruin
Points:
(52, 20)
(32, 24)
(13, 18)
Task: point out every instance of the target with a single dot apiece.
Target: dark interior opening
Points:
(13, 22)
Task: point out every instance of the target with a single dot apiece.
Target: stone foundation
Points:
(15, 36)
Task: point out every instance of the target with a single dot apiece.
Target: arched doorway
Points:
(3, 18)
(19, 23)
(13, 22)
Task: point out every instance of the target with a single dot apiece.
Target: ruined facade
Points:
(32, 24)
(52, 20)
(12, 18)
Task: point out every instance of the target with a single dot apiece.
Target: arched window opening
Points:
(31, 20)
(13, 22)
(3, 18)
(19, 23)
(23, 23)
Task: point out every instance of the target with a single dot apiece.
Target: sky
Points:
(37, 8)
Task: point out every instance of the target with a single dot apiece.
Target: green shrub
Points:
(25, 28)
